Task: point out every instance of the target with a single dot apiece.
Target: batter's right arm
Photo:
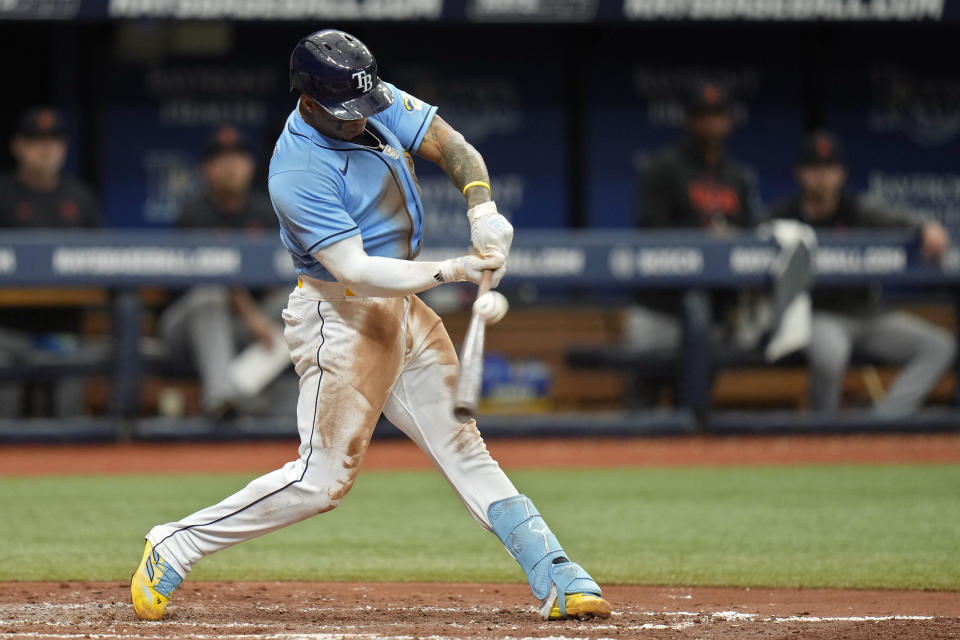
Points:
(445, 146)
(389, 277)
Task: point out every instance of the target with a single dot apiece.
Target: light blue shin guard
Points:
(531, 543)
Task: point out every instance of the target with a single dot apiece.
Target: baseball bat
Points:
(467, 391)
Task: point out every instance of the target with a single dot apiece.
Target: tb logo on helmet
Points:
(364, 80)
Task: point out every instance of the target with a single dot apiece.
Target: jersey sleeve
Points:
(656, 196)
(871, 212)
(310, 208)
(408, 118)
(88, 215)
(752, 206)
(193, 215)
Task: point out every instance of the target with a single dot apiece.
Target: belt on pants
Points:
(322, 290)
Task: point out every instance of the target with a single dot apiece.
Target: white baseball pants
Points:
(356, 357)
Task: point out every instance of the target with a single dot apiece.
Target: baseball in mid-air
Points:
(491, 306)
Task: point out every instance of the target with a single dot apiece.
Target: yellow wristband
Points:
(477, 183)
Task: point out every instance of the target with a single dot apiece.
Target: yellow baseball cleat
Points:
(152, 585)
(581, 606)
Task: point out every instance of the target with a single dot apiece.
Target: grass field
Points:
(859, 527)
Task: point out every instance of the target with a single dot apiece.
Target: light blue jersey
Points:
(325, 190)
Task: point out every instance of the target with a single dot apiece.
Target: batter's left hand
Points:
(489, 230)
(470, 268)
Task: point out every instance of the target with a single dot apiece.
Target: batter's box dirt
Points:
(383, 611)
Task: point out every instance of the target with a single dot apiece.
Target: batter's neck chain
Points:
(376, 144)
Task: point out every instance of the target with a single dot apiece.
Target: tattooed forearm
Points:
(459, 160)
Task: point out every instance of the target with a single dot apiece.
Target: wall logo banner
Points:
(784, 10)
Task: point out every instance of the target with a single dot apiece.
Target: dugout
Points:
(565, 103)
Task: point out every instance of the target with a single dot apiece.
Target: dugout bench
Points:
(582, 262)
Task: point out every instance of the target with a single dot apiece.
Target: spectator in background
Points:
(845, 321)
(693, 183)
(228, 200)
(212, 323)
(38, 195)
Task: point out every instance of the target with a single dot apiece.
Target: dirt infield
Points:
(333, 611)
(221, 457)
(386, 611)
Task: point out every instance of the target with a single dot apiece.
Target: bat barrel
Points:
(469, 380)
(466, 395)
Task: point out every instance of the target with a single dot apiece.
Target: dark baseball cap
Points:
(821, 148)
(707, 97)
(226, 139)
(41, 122)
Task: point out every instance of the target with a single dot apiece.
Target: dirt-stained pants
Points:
(356, 357)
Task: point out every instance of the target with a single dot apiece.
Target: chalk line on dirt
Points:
(276, 636)
(18, 614)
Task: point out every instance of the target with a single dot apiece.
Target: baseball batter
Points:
(361, 341)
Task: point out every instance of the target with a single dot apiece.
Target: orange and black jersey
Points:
(70, 205)
(678, 189)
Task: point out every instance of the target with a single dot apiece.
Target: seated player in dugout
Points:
(39, 195)
(361, 341)
(210, 324)
(848, 321)
(693, 183)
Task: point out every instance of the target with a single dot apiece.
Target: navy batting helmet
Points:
(340, 73)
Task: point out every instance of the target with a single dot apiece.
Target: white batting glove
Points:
(489, 230)
(470, 268)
